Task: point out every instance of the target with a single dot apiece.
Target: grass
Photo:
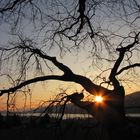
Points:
(70, 129)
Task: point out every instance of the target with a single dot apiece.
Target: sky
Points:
(80, 62)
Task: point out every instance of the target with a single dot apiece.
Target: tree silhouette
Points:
(68, 26)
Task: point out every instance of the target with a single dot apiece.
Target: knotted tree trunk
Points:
(108, 112)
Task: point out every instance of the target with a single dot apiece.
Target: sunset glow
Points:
(98, 99)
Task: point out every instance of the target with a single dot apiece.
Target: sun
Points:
(98, 99)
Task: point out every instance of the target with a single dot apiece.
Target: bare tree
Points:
(70, 26)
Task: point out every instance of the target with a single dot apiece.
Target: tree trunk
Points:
(111, 110)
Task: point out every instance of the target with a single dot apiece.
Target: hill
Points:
(69, 109)
(132, 102)
(132, 105)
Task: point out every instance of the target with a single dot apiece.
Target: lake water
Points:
(136, 115)
(76, 116)
(70, 116)
(66, 116)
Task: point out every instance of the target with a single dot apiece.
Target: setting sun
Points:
(98, 99)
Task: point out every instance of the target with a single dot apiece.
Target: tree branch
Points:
(83, 81)
(122, 52)
(80, 21)
(128, 47)
(30, 81)
(68, 75)
(10, 6)
(128, 67)
(62, 67)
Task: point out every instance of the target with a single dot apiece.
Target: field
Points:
(70, 129)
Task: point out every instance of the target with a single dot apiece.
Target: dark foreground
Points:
(77, 129)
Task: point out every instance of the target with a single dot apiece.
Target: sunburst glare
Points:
(98, 99)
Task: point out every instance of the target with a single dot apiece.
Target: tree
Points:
(69, 26)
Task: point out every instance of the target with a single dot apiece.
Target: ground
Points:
(76, 129)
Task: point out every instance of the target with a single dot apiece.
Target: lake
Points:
(66, 116)
(75, 116)
(70, 116)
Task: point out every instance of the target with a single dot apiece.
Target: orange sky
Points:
(47, 92)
